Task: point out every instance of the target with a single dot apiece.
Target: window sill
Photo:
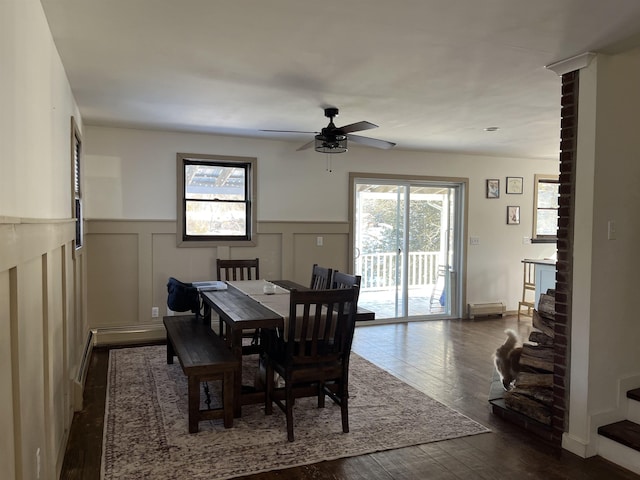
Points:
(544, 240)
(215, 243)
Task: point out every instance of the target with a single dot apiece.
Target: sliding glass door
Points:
(407, 246)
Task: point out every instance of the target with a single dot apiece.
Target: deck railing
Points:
(380, 270)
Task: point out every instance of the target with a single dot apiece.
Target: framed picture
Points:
(493, 188)
(514, 185)
(513, 215)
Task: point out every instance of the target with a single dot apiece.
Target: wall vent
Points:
(486, 309)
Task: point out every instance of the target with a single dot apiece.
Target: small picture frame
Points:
(514, 185)
(493, 188)
(513, 215)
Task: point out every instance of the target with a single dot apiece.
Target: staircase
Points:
(619, 442)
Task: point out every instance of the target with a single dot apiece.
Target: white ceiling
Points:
(433, 74)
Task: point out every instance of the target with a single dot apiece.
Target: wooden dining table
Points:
(243, 306)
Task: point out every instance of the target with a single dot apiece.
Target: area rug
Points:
(146, 434)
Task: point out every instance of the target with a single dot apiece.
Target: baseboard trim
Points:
(110, 336)
(578, 446)
(81, 374)
(130, 334)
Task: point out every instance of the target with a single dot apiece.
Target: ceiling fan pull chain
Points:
(329, 163)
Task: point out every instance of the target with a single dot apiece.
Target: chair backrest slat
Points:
(320, 277)
(234, 270)
(345, 280)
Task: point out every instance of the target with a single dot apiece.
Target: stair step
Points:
(625, 432)
(633, 405)
(634, 394)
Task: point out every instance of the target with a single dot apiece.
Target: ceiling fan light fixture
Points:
(337, 144)
(332, 139)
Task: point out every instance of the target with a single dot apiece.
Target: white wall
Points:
(36, 107)
(131, 174)
(605, 356)
(37, 352)
(617, 198)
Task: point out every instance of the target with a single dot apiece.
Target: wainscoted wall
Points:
(41, 278)
(130, 174)
(129, 262)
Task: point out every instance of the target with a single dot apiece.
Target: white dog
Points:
(507, 359)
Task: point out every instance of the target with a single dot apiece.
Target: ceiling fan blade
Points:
(358, 126)
(306, 146)
(371, 142)
(288, 131)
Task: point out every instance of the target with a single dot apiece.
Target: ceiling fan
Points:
(332, 139)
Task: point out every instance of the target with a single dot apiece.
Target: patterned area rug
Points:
(146, 434)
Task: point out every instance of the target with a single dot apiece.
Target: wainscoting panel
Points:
(37, 346)
(112, 283)
(129, 262)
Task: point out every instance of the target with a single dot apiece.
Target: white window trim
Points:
(538, 177)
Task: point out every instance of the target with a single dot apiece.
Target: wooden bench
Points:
(204, 356)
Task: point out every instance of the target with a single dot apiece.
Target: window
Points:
(76, 182)
(215, 199)
(545, 208)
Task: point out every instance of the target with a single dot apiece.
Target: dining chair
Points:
(320, 277)
(233, 270)
(346, 280)
(230, 270)
(312, 355)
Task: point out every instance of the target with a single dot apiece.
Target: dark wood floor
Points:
(448, 360)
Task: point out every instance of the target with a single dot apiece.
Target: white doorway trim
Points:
(457, 287)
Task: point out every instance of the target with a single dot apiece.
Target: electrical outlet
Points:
(611, 230)
(474, 240)
(319, 241)
(155, 312)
